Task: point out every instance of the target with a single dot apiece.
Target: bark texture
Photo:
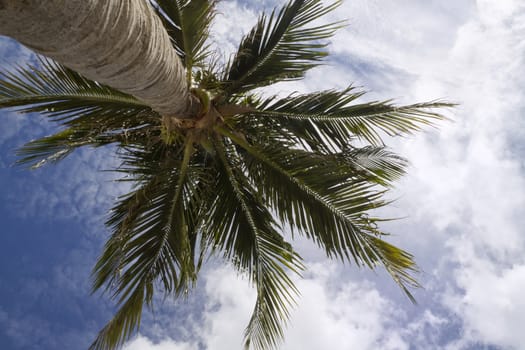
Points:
(121, 43)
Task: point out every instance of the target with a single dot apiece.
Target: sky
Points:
(461, 204)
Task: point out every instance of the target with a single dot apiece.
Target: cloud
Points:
(335, 310)
(335, 313)
(226, 33)
(142, 343)
(465, 191)
(491, 298)
(331, 313)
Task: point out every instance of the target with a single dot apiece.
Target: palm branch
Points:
(332, 118)
(325, 201)
(228, 183)
(280, 47)
(154, 235)
(92, 114)
(250, 239)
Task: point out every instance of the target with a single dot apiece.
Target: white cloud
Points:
(229, 302)
(491, 301)
(332, 313)
(335, 313)
(233, 20)
(466, 189)
(142, 343)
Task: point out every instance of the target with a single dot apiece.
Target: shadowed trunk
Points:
(120, 43)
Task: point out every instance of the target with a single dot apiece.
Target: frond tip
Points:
(280, 47)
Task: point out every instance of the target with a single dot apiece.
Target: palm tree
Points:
(218, 167)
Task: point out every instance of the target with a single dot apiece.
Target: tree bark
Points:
(120, 43)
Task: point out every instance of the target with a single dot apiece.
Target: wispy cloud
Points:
(465, 192)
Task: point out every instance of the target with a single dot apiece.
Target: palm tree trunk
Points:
(120, 43)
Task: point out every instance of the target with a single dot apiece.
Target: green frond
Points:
(150, 241)
(125, 322)
(372, 163)
(398, 263)
(242, 229)
(56, 91)
(51, 149)
(188, 24)
(280, 47)
(376, 164)
(324, 202)
(92, 113)
(331, 118)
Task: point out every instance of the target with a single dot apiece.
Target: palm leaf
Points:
(58, 92)
(93, 114)
(242, 228)
(150, 241)
(331, 120)
(188, 24)
(373, 163)
(327, 204)
(280, 47)
(51, 149)
(376, 164)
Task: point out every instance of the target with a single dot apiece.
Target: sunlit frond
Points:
(326, 203)
(280, 47)
(243, 230)
(92, 113)
(333, 118)
(377, 164)
(150, 240)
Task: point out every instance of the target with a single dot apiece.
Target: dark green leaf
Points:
(331, 120)
(280, 47)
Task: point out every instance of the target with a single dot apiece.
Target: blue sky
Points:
(462, 203)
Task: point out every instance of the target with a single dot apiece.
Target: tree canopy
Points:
(231, 181)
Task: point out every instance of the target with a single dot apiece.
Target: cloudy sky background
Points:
(462, 202)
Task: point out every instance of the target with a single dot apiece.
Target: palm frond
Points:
(125, 322)
(372, 163)
(188, 24)
(376, 164)
(242, 228)
(280, 47)
(92, 113)
(56, 91)
(327, 204)
(150, 240)
(51, 149)
(331, 118)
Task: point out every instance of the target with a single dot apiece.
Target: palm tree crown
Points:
(228, 181)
